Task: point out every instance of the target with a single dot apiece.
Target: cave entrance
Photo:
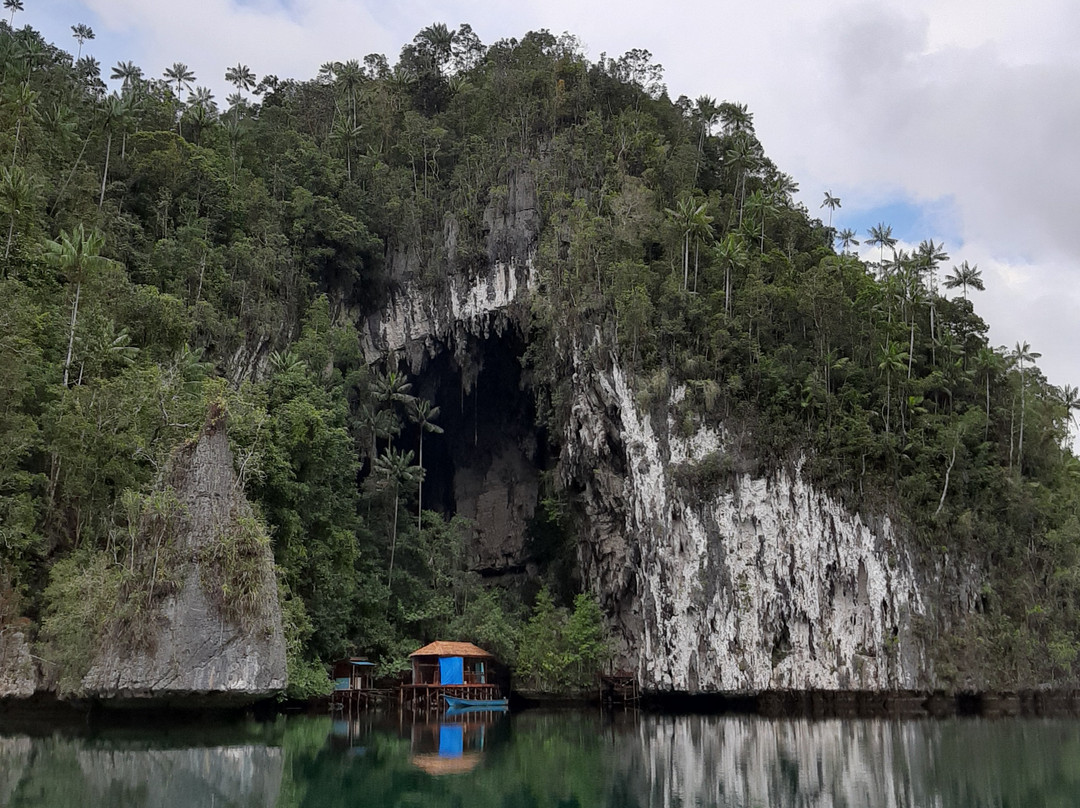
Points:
(485, 465)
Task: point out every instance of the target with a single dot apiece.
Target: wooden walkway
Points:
(429, 698)
(619, 690)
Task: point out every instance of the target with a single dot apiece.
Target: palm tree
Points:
(1021, 354)
(17, 192)
(22, 101)
(892, 361)
(423, 414)
(832, 203)
(847, 239)
(988, 362)
(81, 32)
(202, 97)
(764, 204)
(394, 470)
(708, 113)
(31, 48)
(928, 257)
(112, 113)
(392, 388)
(347, 136)
(438, 40)
(735, 118)
(179, 73)
(127, 72)
(348, 80)
(377, 423)
(692, 221)
(13, 6)
(243, 79)
(965, 276)
(731, 252)
(881, 236)
(1070, 400)
(743, 156)
(75, 254)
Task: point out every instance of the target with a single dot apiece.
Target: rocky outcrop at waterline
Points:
(215, 637)
(18, 673)
(719, 577)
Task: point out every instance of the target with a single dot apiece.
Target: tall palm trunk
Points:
(686, 260)
(15, 151)
(1023, 408)
(393, 544)
(105, 175)
(71, 331)
(420, 485)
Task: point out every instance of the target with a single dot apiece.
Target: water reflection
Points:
(126, 769)
(455, 743)
(559, 760)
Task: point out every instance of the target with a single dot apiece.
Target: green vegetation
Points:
(162, 252)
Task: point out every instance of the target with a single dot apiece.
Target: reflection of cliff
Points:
(14, 757)
(61, 772)
(750, 761)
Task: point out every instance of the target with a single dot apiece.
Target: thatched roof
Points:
(451, 649)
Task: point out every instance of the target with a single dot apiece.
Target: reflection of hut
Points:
(454, 745)
(452, 668)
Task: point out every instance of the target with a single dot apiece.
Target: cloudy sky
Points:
(957, 120)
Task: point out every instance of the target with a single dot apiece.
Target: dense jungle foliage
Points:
(162, 250)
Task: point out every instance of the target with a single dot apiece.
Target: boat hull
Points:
(455, 703)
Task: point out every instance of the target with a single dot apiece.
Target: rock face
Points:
(18, 674)
(421, 319)
(201, 650)
(715, 576)
(500, 499)
(494, 481)
(745, 583)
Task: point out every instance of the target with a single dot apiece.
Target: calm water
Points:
(557, 760)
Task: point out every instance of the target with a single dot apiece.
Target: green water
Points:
(558, 760)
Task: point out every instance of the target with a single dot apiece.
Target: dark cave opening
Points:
(486, 463)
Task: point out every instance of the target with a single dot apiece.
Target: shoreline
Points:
(44, 709)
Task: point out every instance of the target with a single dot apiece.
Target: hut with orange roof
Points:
(458, 669)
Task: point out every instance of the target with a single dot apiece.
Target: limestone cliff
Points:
(715, 575)
(745, 582)
(18, 674)
(216, 637)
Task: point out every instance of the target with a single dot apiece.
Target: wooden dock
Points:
(428, 698)
(619, 690)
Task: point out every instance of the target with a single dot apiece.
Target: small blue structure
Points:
(354, 673)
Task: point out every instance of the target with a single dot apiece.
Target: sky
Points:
(957, 120)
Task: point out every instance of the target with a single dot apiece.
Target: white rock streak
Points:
(415, 317)
(762, 583)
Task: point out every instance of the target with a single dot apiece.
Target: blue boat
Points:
(455, 703)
